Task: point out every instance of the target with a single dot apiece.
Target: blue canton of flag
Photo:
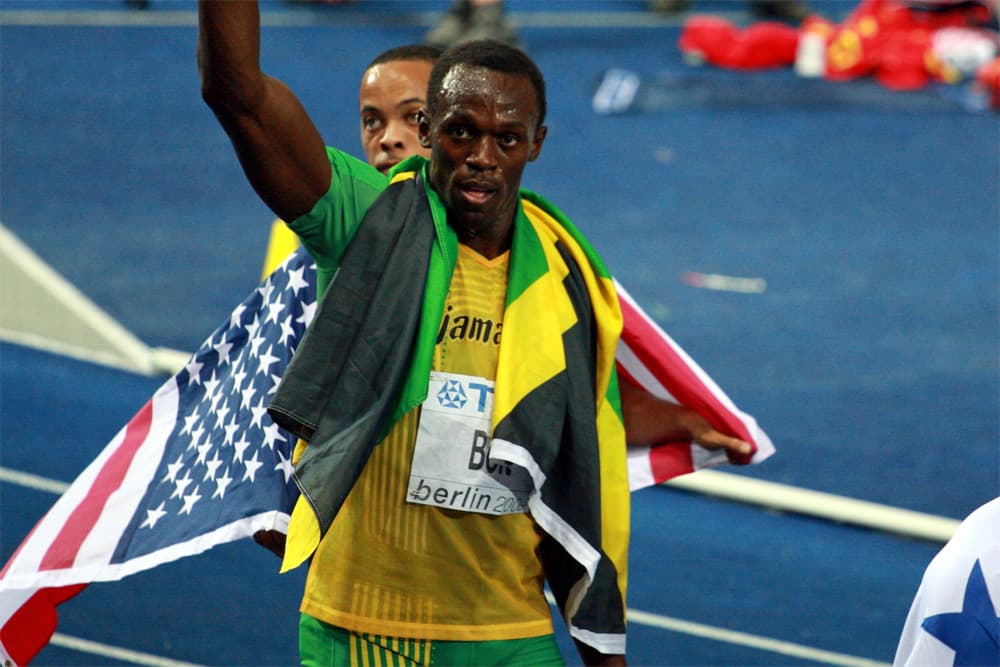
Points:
(225, 459)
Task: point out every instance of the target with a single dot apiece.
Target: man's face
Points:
(391, 96)
(484, 132)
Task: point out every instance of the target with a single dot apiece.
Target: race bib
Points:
(451, 466)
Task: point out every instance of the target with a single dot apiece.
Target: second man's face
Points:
(391, 96)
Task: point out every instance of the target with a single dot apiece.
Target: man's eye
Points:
(370, 123)
(413, 118)
(509, 139)
(458, 132)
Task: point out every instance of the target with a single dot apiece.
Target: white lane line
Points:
(124, 18)
(637, 617)
(290, 19)
(116, 652)
(816, 503)
(749, 640)
(30, 481)
(87, 354)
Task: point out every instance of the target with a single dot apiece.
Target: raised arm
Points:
(281, 151)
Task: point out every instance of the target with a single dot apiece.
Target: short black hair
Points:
(424, 52)
(492, 55)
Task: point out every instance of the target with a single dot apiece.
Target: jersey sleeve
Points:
(327, 229)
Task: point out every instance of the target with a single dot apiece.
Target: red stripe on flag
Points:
(670, 459)
(670, 368)
(62, 552)
(29, 629)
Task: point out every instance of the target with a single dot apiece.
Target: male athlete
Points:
(406, 560)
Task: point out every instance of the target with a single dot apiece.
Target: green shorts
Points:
(325, 645)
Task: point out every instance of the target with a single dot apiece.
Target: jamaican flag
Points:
(556, 407)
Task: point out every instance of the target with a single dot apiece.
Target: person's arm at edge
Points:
(650, 420)
(280, 149)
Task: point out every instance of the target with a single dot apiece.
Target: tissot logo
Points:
(452, 395)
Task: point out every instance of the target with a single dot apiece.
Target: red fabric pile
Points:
(902, 44)
(719, 42)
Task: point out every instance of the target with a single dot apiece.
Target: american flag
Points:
(648, 357)
(202, 463)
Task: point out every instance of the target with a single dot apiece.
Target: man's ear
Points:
(423, 128)
(536, 149)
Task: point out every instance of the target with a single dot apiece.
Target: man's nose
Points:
(394, 136)
(483, 153)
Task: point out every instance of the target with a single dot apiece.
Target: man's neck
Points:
(490, 242)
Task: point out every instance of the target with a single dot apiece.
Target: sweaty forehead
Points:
(465, 84)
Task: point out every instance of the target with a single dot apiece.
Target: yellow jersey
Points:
(392, 567)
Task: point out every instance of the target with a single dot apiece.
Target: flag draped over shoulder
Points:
(200, 464)
(557, 414)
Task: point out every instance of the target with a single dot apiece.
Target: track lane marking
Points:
(116, 652)
(155, 18)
